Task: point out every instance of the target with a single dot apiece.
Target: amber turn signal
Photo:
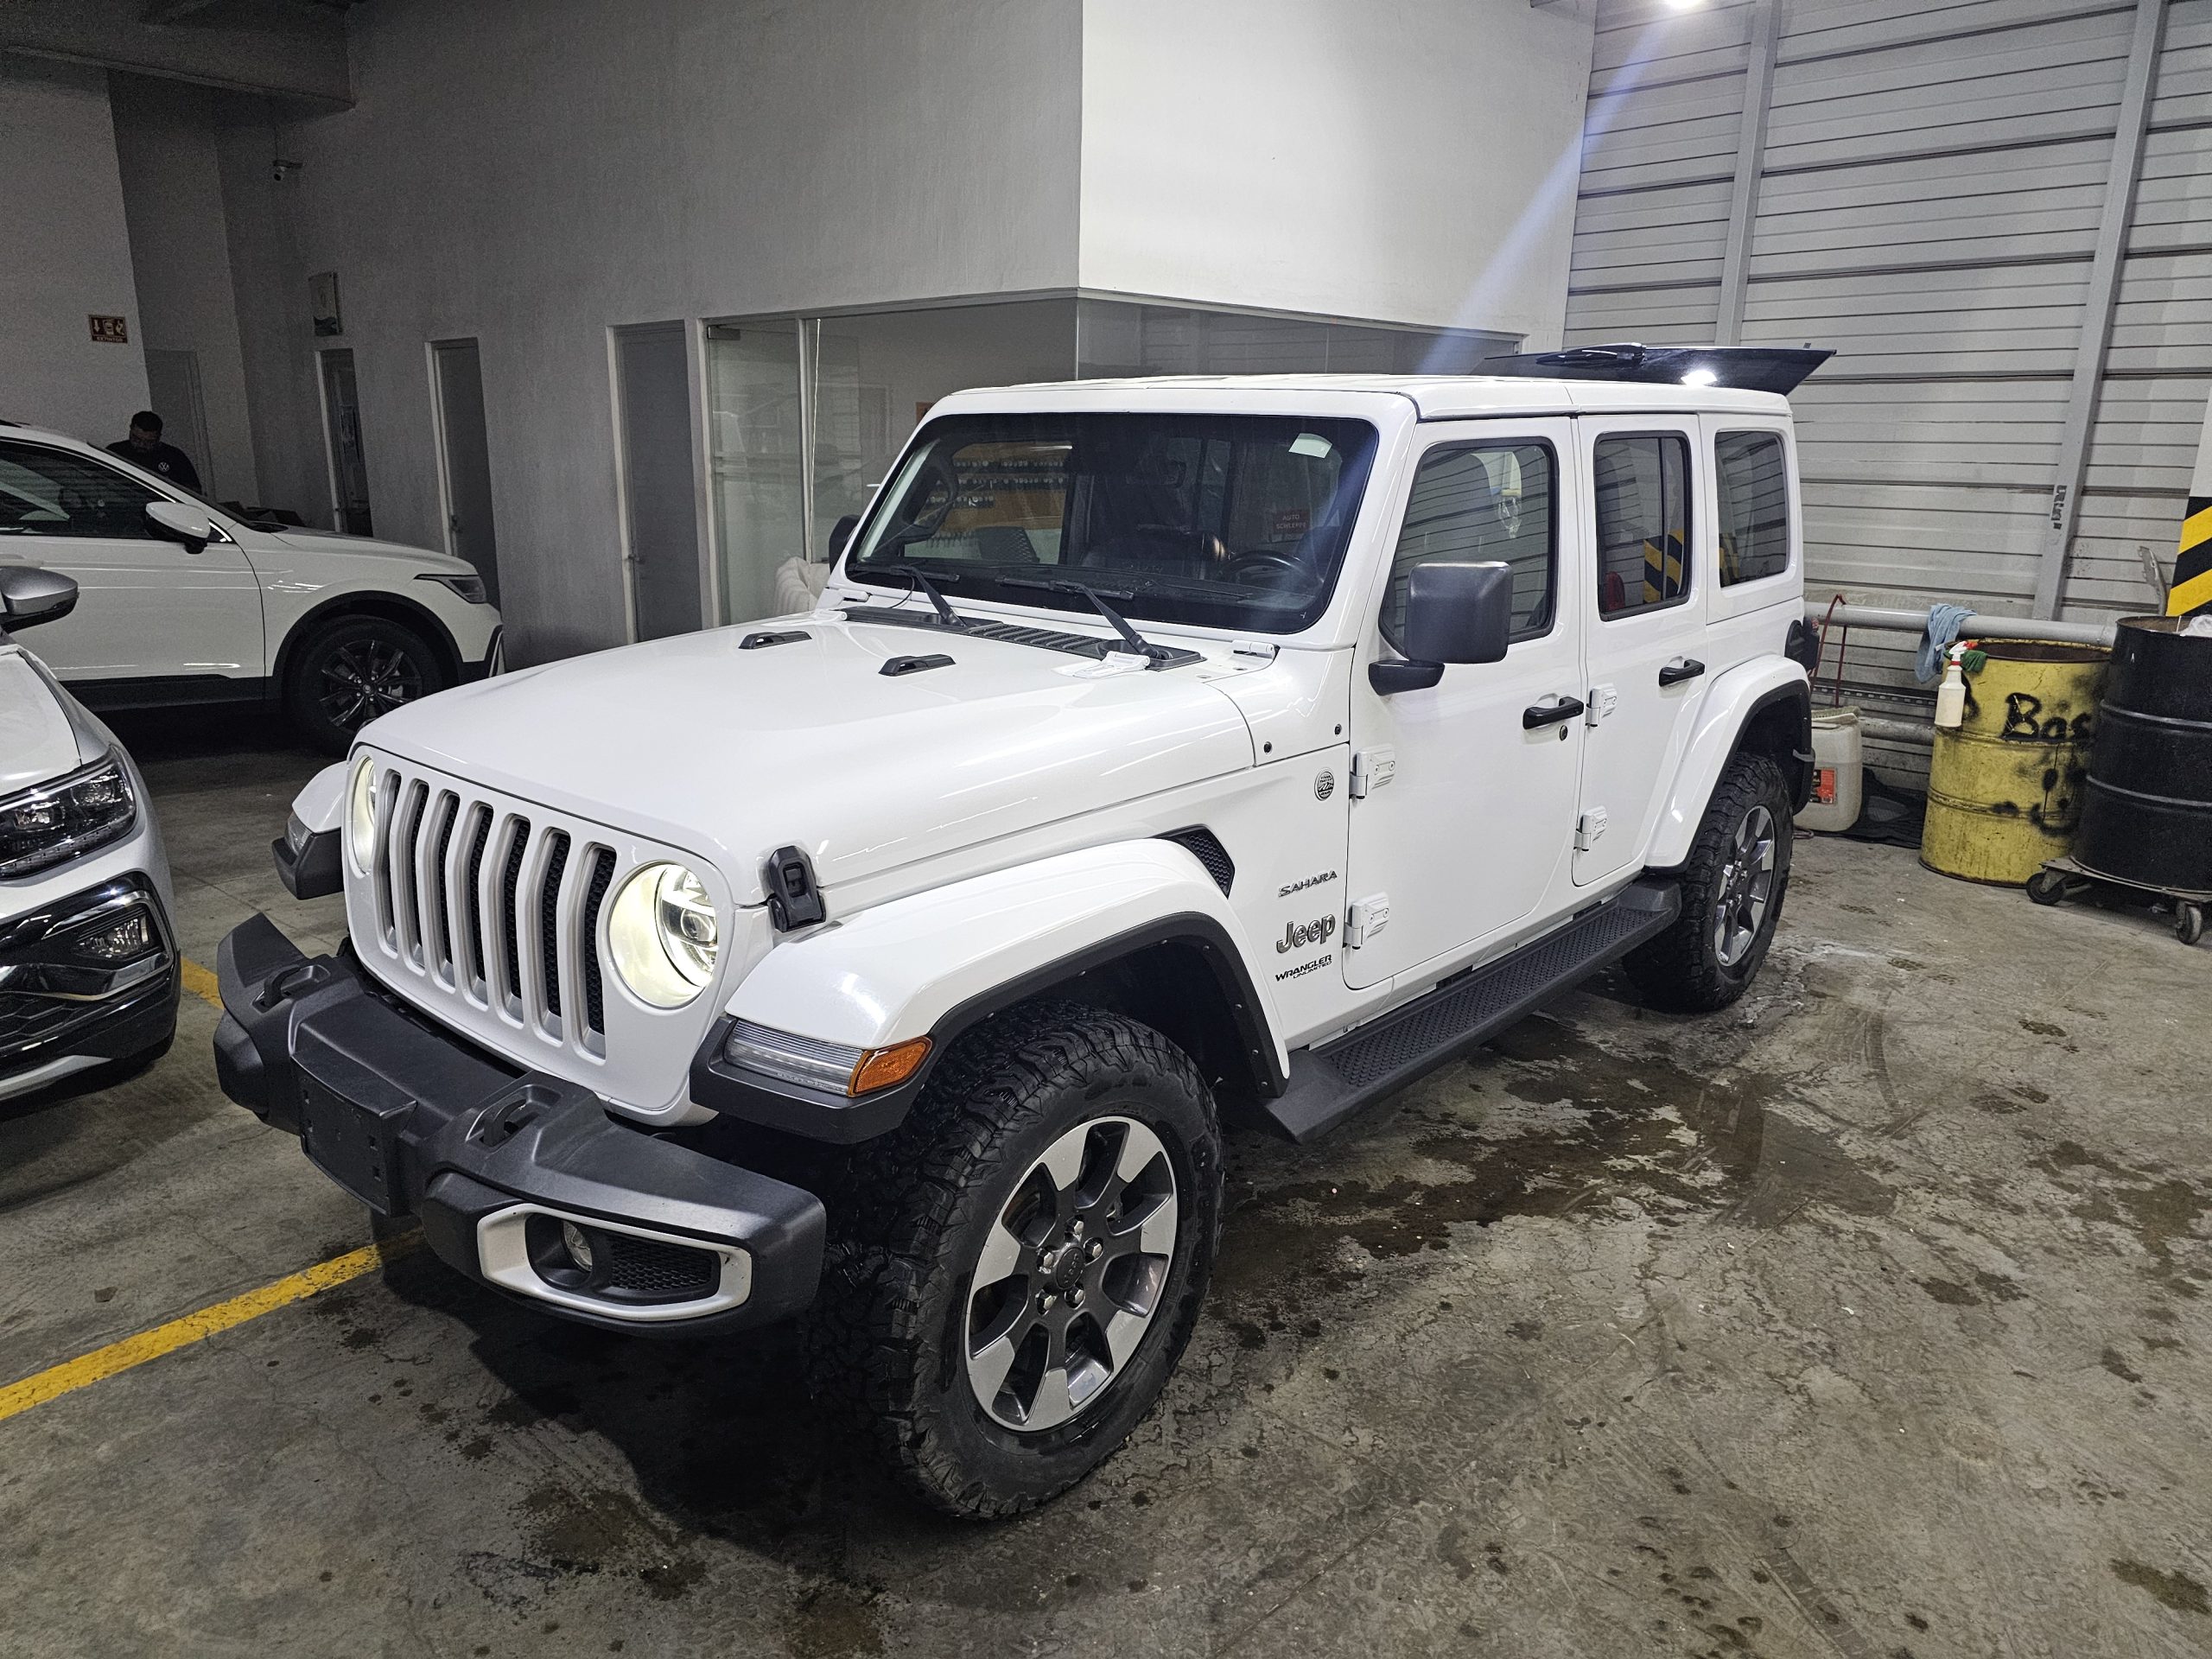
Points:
(879, 1068)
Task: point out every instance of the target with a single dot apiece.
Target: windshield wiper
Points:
(1135, 641)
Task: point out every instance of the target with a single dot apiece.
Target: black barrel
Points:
(2146, 809)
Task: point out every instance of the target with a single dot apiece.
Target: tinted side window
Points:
(48, 492)
(1753, 479)
(1644, 522)
(1478, 503)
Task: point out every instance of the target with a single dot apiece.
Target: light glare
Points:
(1700, 378)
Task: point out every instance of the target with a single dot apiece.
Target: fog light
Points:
(118, 941)
(579, 1244)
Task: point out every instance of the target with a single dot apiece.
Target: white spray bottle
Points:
(1951, 695)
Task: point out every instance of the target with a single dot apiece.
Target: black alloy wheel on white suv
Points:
(1013, 1272)
(349, 671)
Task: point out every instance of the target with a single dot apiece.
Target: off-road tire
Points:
(909, 1213)
(1681, 970)
(370, 638)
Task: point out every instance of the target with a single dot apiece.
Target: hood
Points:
(698, 743)
(37, 741)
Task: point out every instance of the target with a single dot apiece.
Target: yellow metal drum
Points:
(2005, 789)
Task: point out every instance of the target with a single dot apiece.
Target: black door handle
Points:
(1682, 668)
(1549, 714)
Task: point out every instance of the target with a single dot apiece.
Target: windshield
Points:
(1235, 521)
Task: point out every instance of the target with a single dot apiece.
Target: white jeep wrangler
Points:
(1159, 751)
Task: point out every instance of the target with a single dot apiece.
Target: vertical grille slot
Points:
(407, 902)
(475, 972)
(510, 883)
(602, 876)
(549, 919)
(430, 884)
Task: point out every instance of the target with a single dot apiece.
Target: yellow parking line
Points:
(88, 1369)
(201, 983)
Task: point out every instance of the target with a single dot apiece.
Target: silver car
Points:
(88, 962)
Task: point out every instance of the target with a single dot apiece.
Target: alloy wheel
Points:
(364, 678)
(1070, 1274)
(1745, 888)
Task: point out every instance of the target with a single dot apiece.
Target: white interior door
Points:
(1471, 831)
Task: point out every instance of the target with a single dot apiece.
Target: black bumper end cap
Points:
(310, 870)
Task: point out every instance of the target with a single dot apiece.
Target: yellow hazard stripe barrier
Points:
(103, 1362)
(2191, 594)
(2196, 528)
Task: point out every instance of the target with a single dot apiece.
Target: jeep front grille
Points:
(493, 905)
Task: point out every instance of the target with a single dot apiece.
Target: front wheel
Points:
(1732, 886)
(1014, 1273)
(353, 669)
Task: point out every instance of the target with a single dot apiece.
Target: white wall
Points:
(64, 255)
(179, 250)
(1414, 161)
(530, 172)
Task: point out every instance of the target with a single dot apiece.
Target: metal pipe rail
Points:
(1976, 626)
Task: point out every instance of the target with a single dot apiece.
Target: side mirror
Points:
(29, 596)
(1454, 614)
(840, 532)
(176, 522)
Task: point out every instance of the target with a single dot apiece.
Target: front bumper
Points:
(505, 1167)
(58, 1004)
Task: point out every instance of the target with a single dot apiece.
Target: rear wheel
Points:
(1732, 886)
(353, 670)
(1014, 1273)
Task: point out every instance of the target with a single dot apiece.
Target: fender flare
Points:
(935, 963)
(1737, 698)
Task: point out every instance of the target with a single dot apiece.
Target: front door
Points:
(1467, 790)
(1645, 628)
(146, 608)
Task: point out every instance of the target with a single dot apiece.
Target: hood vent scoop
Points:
(897, 666)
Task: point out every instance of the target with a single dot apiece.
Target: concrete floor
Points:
(1868, 1320)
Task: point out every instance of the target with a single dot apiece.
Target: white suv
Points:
(1160, 750)
(88, 979)
(183, 602)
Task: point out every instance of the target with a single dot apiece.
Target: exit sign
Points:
(109, 331)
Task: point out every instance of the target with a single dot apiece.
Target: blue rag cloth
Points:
(1944, 622)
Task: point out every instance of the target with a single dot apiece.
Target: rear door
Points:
(1468, 808)
(1645, 523)
(147, 608)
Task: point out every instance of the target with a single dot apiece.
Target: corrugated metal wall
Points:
(1926, 195)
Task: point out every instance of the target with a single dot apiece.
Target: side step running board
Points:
(1329, 1085)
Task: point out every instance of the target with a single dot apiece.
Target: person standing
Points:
(144, 448)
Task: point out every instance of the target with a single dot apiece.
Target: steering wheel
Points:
(1265, 564)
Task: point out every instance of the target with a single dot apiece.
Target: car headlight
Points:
(56, 822)
(469, 589)
(361, 813)
(662, 933)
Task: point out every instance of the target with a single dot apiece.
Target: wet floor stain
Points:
(2176, 1589)
(1549, 1123)
(2160, 1210)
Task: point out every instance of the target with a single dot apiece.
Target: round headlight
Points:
(361, 813)
(662, 935)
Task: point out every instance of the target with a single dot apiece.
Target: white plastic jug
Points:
(1837, 776)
